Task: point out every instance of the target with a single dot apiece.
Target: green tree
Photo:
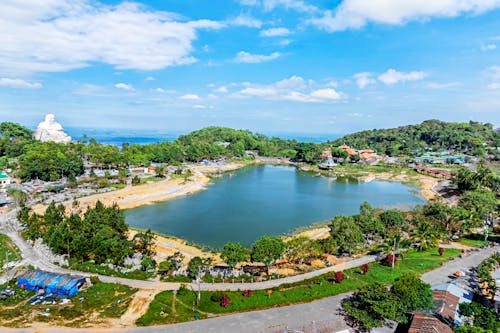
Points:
(18, 196)
(144, 243)
(346, 233)
(392, 218)
(413, 293)
(196, 265)
(267, 250)
(232, 253)
(373, 306)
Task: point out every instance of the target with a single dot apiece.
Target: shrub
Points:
(216, 296)
(339, 277)
(247, 293)
(389, 258)
(183, 290)
(441, 251)
(225, 301)
(94, 279)
(365, 268)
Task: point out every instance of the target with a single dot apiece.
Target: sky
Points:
(284, 66)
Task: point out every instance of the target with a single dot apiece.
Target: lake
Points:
(261, 200)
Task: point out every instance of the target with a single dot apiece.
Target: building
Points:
(59, 284)
(446, 298)
(4, 180)
(428, 323)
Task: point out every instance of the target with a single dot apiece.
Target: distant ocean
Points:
(117, 137)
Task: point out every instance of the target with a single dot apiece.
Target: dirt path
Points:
(137, 307)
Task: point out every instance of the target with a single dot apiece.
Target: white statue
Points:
(51, 130)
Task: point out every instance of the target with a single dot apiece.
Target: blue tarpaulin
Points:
(59, 284)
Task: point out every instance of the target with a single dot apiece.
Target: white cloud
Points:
(298, 5)
(488, 47)
(61, 35)
(245, 57)
(436, 85)
(352, 14)
(222, 90)
(364, 79)
(124, 86)
(493, 75)
(393, 76)
(293, 89)
(190, 97)
(245, 21)
(201, 106)
(149, 78)
(160, 90)
(18, 83)
(275, 32)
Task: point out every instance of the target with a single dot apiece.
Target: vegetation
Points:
(100, 235)
(165, 310)
(267, 249)
(232, 253)
(432, 134)
(479, 318)
(8, 251)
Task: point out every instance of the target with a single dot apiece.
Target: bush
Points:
(216, 297)
(389, 258)
(183, 290)
(365, 268)
(247, 293)
(339, 277)
(225, 301)
(94, 279)
(441, 251)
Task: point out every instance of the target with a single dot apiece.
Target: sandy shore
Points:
(425, 183)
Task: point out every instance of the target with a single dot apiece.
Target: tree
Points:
(412, 292)
(19, 197)
(425, 235)
(482, 317)
(196, 265)
(372, 306)
(267, 249)
(232, 253)
(346, 233)
(392, 218)
(144, 243)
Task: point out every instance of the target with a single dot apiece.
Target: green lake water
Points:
(264, 200)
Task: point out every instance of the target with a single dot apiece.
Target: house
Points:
(348, 150)
(367, 154)
(59, 284)
(428, 323)
(446, 298)
(4, 180)
(150, 170)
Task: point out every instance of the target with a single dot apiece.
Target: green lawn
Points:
(99, 302)
(8, 251)
(162, 310)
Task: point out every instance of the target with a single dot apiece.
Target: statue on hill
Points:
(51, 130)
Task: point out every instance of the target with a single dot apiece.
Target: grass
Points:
(92, 305)
(8, 251)
(164, 310)
(91, 267)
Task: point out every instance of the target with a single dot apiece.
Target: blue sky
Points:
(268, 65)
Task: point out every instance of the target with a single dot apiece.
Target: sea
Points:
(117, 137)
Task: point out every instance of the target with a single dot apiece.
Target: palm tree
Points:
(425, 235)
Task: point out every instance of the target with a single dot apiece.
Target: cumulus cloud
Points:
(149, 78)
(352, 14)
(293, 89)
(190, 97)
(245, 21)
(222, 90)
(246, 57)
(393, 76)
(201, 106)
(269, 5)
(124, 86)
(364, 79)
(18, 83)
(61, 35)
(275, 32)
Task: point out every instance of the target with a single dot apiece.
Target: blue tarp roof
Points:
(60, 284)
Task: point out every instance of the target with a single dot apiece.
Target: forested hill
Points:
(429, 134)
